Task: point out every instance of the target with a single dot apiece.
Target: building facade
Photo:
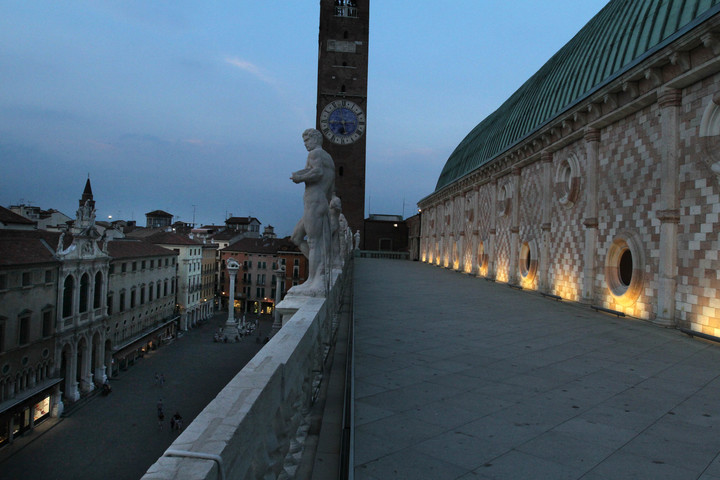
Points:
(604, 190)
(82, 308)
(208, 293)
(29, 382)
(261, 263)
(158, 219)
(386, 233)
(189, 276)
(140, 300)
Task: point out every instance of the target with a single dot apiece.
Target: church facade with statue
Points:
(597, 181)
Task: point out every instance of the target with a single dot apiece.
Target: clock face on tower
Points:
(342, 122)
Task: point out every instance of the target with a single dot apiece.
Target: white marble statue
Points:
(312, 233)
(335, 212)
(357, 240)
(343, 234)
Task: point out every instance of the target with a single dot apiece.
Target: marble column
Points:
(669, 101)
(232, 267)
(592, 152)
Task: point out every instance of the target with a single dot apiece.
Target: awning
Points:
(29, 393)
(141, 339)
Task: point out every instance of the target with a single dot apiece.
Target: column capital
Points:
(592, 134)
(669, 215)
(669, 97)
(590, 222)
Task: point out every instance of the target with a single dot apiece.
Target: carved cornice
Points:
(681, 59)
(710, 40)
(654, 75)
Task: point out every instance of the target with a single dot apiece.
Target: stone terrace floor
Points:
(460, 378)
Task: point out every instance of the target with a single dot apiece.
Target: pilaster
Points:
(513, 276)
(544, 261)
(669, 101)
(592, 152)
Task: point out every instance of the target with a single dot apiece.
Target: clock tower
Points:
(342, 98)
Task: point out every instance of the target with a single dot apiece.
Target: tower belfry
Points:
(342, 98)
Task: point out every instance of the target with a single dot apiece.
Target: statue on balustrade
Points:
(312, 234)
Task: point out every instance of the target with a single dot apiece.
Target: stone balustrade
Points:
(255, 427)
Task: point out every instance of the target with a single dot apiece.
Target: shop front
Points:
(25, 412)
(125, 355)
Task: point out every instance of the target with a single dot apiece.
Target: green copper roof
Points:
(622, 34)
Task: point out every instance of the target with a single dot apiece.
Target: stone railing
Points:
(256, 426)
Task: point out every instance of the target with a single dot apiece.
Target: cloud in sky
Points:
(252, 69)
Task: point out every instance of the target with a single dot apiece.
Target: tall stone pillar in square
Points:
(669, 101)
(592, 152)
(232, 267)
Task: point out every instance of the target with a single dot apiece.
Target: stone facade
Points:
(614, 203)
(141, 300)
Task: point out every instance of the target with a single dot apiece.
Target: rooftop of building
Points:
(620, 36)
(134, 248)
(262, 245)
(159, 213)
(9, 218)
(241, 220)
(27, 247)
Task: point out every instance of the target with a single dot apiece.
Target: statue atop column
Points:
(312, 234)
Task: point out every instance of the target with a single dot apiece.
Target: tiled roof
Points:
(27, 247)
(262, 245)
(171, 238)
(624, 33)
(8, 217)
(134, 248)
(224, 235)
(241, 220)
(159, 213)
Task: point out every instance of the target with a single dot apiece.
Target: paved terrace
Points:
(460, 378)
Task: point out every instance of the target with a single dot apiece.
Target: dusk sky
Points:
(197, 108)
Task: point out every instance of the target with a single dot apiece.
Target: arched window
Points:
(84, 290)
(68, 288)
(98, 290)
